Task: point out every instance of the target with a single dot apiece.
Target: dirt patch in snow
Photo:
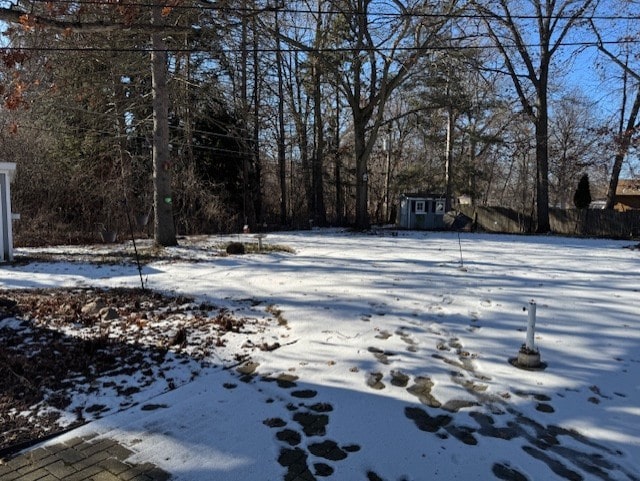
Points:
(71, 355)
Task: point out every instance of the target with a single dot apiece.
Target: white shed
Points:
(7, 170)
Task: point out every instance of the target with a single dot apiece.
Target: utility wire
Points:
(202, 6)
(327, 50)
(135, 137)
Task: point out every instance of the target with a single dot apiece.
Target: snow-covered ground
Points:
(394, 358)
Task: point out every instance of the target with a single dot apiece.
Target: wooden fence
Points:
(588, 222)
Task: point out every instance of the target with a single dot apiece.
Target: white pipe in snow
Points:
(531, 325)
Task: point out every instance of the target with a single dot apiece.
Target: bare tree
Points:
(573, 145)
(280, 138)
(628, 122)
(317, 204)
(528, 34)
(370, 59)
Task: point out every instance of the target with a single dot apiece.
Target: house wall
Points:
(5, 218)
(6, 232)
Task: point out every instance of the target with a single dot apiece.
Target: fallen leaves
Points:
(59, 347)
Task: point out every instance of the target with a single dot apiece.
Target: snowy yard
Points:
(369, 357)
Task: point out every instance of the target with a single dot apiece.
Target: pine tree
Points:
(582, 196)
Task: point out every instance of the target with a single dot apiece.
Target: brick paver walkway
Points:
(80, 459)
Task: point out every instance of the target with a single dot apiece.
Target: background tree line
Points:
(291, 114)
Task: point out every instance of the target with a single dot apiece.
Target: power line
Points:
(88, 130)
(202, 6)
(132, 132)
(327, 50)
(345, 49)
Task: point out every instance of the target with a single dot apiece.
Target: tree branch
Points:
(600, 46)
(10, 15)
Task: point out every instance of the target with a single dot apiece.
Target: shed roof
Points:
(628, 187)
(422, 195)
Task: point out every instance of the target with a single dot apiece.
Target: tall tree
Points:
(629, 123)
(101, 17)
(318, 210)
(374, 53)
(280, 137)
(529, 34)
(574, 145)
(164, 229)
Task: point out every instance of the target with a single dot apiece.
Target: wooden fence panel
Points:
(589, 222)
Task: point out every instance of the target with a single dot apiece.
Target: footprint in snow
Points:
(383, 335)
(407, 339)
(380, 355)
(447, 300)
(422, 389)
(305, 394)
(507, 473)
(543, 405)
(374, 381)
(399, 379)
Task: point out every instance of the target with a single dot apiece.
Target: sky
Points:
(394, 357)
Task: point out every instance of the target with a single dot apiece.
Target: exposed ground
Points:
(68, 349)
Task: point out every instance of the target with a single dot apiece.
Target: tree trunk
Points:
(362, 176)
(164, 229)
(541, 122)
(256, 181)
(448, 196)
(623, 141)
(339, 193)
(319, 212)
(248, 211)
(542, 173)
(282, 169)
(338, 165)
